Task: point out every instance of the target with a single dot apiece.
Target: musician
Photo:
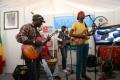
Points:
(27, 35)
(79, 31)
(45, 54)
(63, 36)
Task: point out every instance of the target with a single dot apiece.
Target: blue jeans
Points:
(49, 74)
(64, 56)
(82, 53)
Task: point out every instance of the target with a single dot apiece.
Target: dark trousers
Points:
(64, 56)
(82, 53)
(33, 69)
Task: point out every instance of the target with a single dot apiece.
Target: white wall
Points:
(11, 47)
(48, 9)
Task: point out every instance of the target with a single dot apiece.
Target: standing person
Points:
(63, 36)
(79, 31)
(45, 54)
(27, 36)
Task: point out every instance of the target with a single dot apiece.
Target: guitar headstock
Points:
(55, 32)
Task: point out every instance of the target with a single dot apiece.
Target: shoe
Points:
(86, 77)
(64, 70)
(57, 77)
(68, 69)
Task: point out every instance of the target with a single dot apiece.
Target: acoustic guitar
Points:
(31, 52)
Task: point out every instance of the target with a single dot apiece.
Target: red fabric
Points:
(2, 63)
(45, 51)
(104, 51)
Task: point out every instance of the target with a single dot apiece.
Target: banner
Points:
(64, 20)
(2, 60)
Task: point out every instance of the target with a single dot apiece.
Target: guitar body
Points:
(79, 41)
(30, 52)
(64, 43)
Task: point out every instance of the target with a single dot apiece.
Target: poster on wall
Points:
(64, 20)
(69, 20)
(11, 20)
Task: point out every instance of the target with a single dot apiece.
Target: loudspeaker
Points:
(20, 72)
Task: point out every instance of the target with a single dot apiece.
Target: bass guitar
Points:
(31, 52)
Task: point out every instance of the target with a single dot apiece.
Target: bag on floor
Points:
(20, 72)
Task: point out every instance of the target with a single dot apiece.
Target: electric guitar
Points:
(87, 33)
(31, 52)
(107, 65)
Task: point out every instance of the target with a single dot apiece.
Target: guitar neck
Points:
(43, 43)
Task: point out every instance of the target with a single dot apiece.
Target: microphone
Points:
(87, 15)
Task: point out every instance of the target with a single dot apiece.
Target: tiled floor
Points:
(8, 76)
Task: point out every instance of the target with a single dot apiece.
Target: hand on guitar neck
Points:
(32, 52)
(83, 37)
(86, 33)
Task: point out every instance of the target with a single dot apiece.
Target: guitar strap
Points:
(37, 33)
(85, 25)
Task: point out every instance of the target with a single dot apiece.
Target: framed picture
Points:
(11, 20)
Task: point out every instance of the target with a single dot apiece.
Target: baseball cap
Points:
(38, 17)
(80, 13)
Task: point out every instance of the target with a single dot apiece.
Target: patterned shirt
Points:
(27, 32)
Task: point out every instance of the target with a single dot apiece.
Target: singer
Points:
(79, 31)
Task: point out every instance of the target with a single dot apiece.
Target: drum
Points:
(104, 51)
(52, 61)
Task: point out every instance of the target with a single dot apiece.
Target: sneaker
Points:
(86, 77)
(68, 69)
(57, 77)
(64, 70)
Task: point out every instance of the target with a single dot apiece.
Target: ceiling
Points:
(93, 4)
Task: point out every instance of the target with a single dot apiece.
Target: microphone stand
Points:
(94, 44)
(71, 71)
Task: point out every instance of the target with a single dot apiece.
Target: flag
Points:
(2, 59)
